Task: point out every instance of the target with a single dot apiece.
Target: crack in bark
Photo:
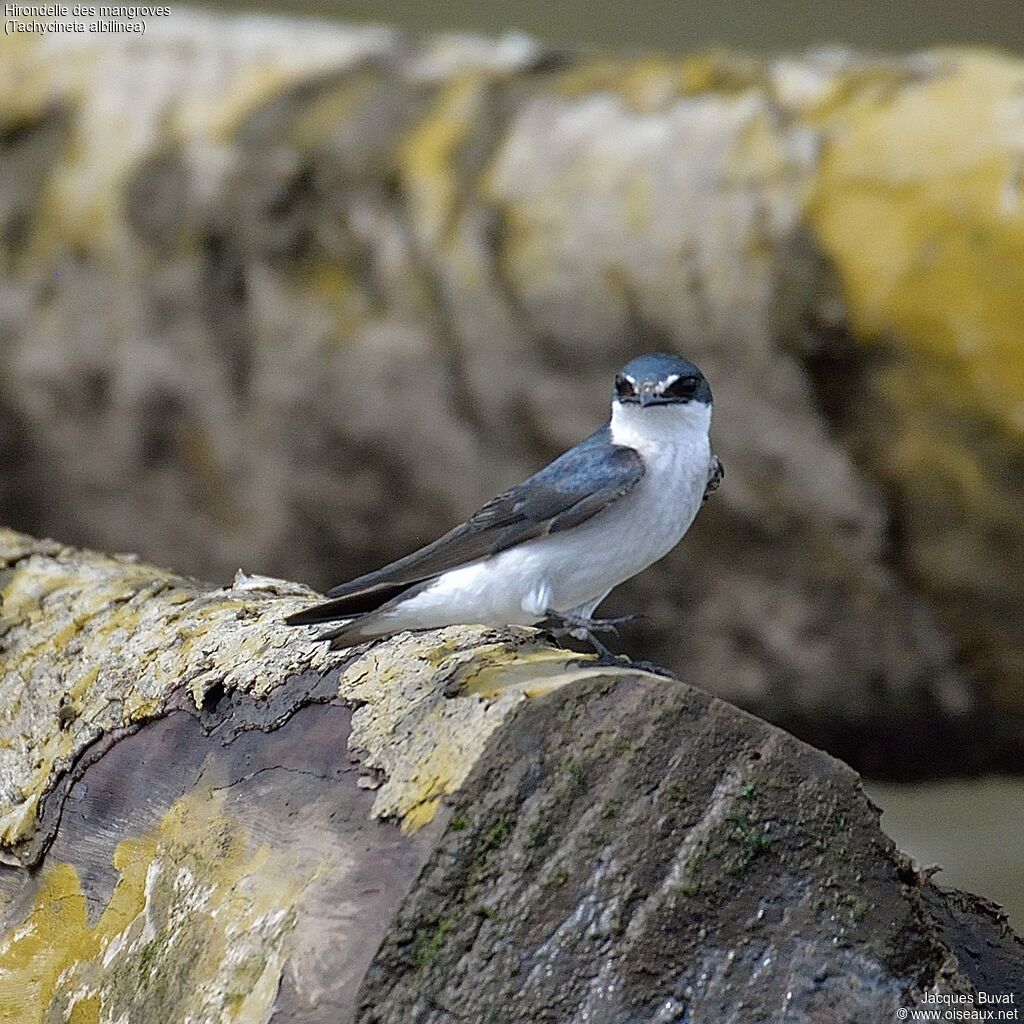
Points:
(249, 776)
(284, 705)
(51, 804)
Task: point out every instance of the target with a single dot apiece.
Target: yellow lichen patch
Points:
(581, 79)
(428, 155)
(920, 204)
(252, 88)
(720, 71)
(23, 92)
(427, 710)
(255, 85)
(321, 115)
(196, 928)
(339, 297)
(535, 679)
(420, 814)
(35, 954)
(330, 282)
(85, 1010)
(649, 82)
(19, 821)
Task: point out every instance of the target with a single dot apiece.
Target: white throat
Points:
(656, 426)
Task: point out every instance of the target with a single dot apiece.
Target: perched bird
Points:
(549, 550)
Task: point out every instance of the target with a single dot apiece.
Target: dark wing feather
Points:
(716, 473)
(572, 489)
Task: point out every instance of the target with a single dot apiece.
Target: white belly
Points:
(576, 569)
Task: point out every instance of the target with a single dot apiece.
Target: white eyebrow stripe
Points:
(667, 383)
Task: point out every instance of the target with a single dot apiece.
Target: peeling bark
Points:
(209, 817)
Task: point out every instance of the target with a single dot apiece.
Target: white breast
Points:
(675, 445)
(576, 569)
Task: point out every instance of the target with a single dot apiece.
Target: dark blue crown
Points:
(653, 370)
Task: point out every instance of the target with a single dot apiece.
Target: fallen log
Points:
(207, 816)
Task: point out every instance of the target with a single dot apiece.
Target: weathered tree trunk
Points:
(311, 293)
(207, 817)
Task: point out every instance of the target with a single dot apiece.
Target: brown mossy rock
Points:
(642, 852)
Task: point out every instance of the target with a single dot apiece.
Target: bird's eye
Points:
(684, 387)
(624, 387)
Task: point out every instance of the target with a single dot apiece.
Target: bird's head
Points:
(657, 379)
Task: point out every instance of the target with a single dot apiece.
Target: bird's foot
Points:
(559, 625)
(650, 666)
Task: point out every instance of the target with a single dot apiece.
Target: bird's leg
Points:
(610, 625)
(560, 624)
(566, 624)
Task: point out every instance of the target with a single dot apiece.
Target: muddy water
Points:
(974, 829)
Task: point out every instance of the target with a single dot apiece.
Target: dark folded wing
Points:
(716, 474)
(572, 489)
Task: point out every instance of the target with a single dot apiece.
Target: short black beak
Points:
(647, 393)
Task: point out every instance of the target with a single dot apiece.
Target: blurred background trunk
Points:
(313, 293)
